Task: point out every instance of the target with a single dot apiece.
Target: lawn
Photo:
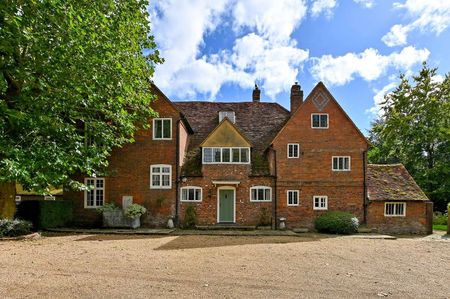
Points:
(440, 227)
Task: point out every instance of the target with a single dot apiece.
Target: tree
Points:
(415, 130)
(71, 69)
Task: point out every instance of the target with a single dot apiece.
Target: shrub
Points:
(337, 223)
(108, 207)
(264, 217)
(190, 217)
(440, 218)
(46, 213)
(135, 211)
(14, 228)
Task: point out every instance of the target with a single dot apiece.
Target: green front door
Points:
(226, 206)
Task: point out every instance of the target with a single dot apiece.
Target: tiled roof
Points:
(258, 121)
(392, 182)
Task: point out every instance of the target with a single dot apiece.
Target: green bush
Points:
(264, 217)
(14, 228)
(440, 218)
(135, 211)
(190, 217)
(337, 223)
(108, 207)
(46, 213)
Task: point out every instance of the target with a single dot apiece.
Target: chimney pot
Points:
(256, 94)
(296, 97)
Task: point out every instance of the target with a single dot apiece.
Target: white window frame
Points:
(187, 188)
(160, 186)
(298, 150)
(231, 115)
(263, 188)
(298, 198)
(319, 198)
(162, 119)
(337, 157)
(395, 203)
(312, 123)
(231, 155)
(94, 190)
(18, 198)
(51, 197)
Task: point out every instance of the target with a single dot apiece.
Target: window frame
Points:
(94, 190)
(298, 150)
(298, 198)
(349, 163)
(319, 197)
(263, 188)
(222, 116)
(162, 119)
(188, 188)
(231, 154)
(160, 186)
(395, 203)
(320, 114)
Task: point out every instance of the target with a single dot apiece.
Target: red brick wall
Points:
(312, 173)
(129, 169)
(414, 222)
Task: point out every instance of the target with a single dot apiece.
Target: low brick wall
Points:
(414, 222)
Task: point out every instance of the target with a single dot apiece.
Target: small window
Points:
(320, 202)
(341, 163)
(293, 150)
(191, 194)
(228, 114)
(226, 155)
(394, 209)
(162, 128)
(160, 177)
(292, 197)
(260, 193)
(319, 121)
(94, 196)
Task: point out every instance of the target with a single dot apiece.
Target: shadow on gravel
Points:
(198, 241)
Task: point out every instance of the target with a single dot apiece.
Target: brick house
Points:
(243, 163)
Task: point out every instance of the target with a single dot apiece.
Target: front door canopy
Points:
(219, 182)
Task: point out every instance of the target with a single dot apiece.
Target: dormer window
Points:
(229, 114)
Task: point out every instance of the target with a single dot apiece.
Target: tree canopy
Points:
(415, 130)
(71, 69)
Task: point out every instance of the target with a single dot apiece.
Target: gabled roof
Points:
(392, 183)
(258, 121)
(322, 87)
(228, 131)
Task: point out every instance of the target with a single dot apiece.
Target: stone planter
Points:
(117, 218)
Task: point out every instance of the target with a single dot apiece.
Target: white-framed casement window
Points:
(94, 196)
(395, 209)
(229, 114)
(162, 128)
(226, 155)
(160, 176)
(191, 194)
(292, 197)
(293, 150)
(341, 163)
(320, 202)
(319, 120)
(260, 193)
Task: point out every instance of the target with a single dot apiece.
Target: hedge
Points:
(46, 213)
(337, 223)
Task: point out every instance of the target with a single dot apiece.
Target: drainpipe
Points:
(275, 187)
(177, 171)
(364, 156)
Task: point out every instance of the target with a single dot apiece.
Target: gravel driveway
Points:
(84, 266)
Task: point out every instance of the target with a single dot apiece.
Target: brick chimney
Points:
(256, 94)
(296, 97)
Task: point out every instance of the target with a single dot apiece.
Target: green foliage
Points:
(415, 130)
(46, 213)
(135, 211)
(14, 228)
(108, 207)
(337, 223)
(440, 218)
(440, 227)
(70, 69)
(265, 218)
(190, 217)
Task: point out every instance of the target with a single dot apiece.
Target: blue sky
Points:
(217, 50)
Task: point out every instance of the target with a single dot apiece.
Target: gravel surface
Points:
(85, 266)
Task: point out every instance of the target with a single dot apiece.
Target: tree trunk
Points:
(7, 200)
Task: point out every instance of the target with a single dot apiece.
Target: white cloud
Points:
(378, 98)
(369, 65)
(323, 6)
(366, 3)
(267, 54)
(429, 15)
